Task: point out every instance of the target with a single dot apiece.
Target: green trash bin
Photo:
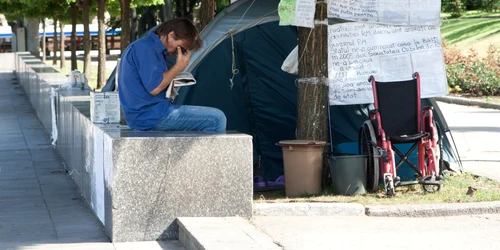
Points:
(348, 174)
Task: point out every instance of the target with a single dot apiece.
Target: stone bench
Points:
(138, 182)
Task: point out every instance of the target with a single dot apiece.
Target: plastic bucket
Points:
(303, 161)
(348, 174)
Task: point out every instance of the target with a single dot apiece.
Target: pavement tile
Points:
(18, 145)
(44, 155)
(64, 200)
(29, 246)
(16, 170)
(27, 231)
(26, 162)
(26, 218)
(73, 215)
(38, 145)
(11, 137)
(40, 207)
(49, 164)
(89, 246)
(22, 206)
(150, 245)
(14, 154)
(19, 195)
(15, 183)
(17, 176)
(50, 171)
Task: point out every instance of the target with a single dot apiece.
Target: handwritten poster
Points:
(297, 12)
(390, 53)
(402, 12)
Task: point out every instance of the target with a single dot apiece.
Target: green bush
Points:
(472, 74)
(455, 7)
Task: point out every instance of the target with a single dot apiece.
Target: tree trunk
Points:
(54, 58)
(147, 20)
(125, 23)
(457, 8)
(184, 8)
(167, 10)
(133, 24)
(178, 8)
(101, 71)
(207, 12)
(85, 4)
(150, 17)
(44, 42)
(313, 83)
(74, 20)
(63, 41)
(190, 13)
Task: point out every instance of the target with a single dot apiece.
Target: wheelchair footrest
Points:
(405, 183)
(430, 182)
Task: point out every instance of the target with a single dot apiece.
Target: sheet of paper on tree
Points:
(390, 53)
(409, 12)
(297, 12)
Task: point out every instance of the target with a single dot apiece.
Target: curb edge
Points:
(467, 102)
(356, 209)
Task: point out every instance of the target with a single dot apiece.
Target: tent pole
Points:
(330, 135)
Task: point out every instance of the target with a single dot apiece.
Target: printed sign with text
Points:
(409, 12)
(390, 53)
(297, 12)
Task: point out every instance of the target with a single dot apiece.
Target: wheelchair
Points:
(398, 119)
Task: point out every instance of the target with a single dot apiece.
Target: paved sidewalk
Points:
(477, 133)
(365, 232)
(40, 206)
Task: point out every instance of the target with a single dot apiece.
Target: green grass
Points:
(475, 30)
(453, 190)
(459, 30)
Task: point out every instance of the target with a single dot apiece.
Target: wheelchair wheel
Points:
(441, 151)
(441, 166)
(368, 144)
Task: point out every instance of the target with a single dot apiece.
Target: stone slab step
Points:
(207, 233)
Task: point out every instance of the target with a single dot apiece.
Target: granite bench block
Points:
(38, 85)
(84, 160)
(138, 183)
(153, 180)
(70, 128)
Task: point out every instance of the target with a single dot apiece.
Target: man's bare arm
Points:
(168, 76)
(181, 63)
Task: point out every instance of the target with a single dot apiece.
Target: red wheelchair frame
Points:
(424, 135)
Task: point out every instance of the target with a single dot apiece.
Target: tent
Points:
(238, 70)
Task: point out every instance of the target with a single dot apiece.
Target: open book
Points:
(180, 80)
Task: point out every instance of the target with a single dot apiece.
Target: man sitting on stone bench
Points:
(144, 77)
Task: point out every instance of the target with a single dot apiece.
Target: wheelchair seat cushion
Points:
(407, 138)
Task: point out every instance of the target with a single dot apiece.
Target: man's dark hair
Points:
(183, 29)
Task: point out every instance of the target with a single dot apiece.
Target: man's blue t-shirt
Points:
(141, 71)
